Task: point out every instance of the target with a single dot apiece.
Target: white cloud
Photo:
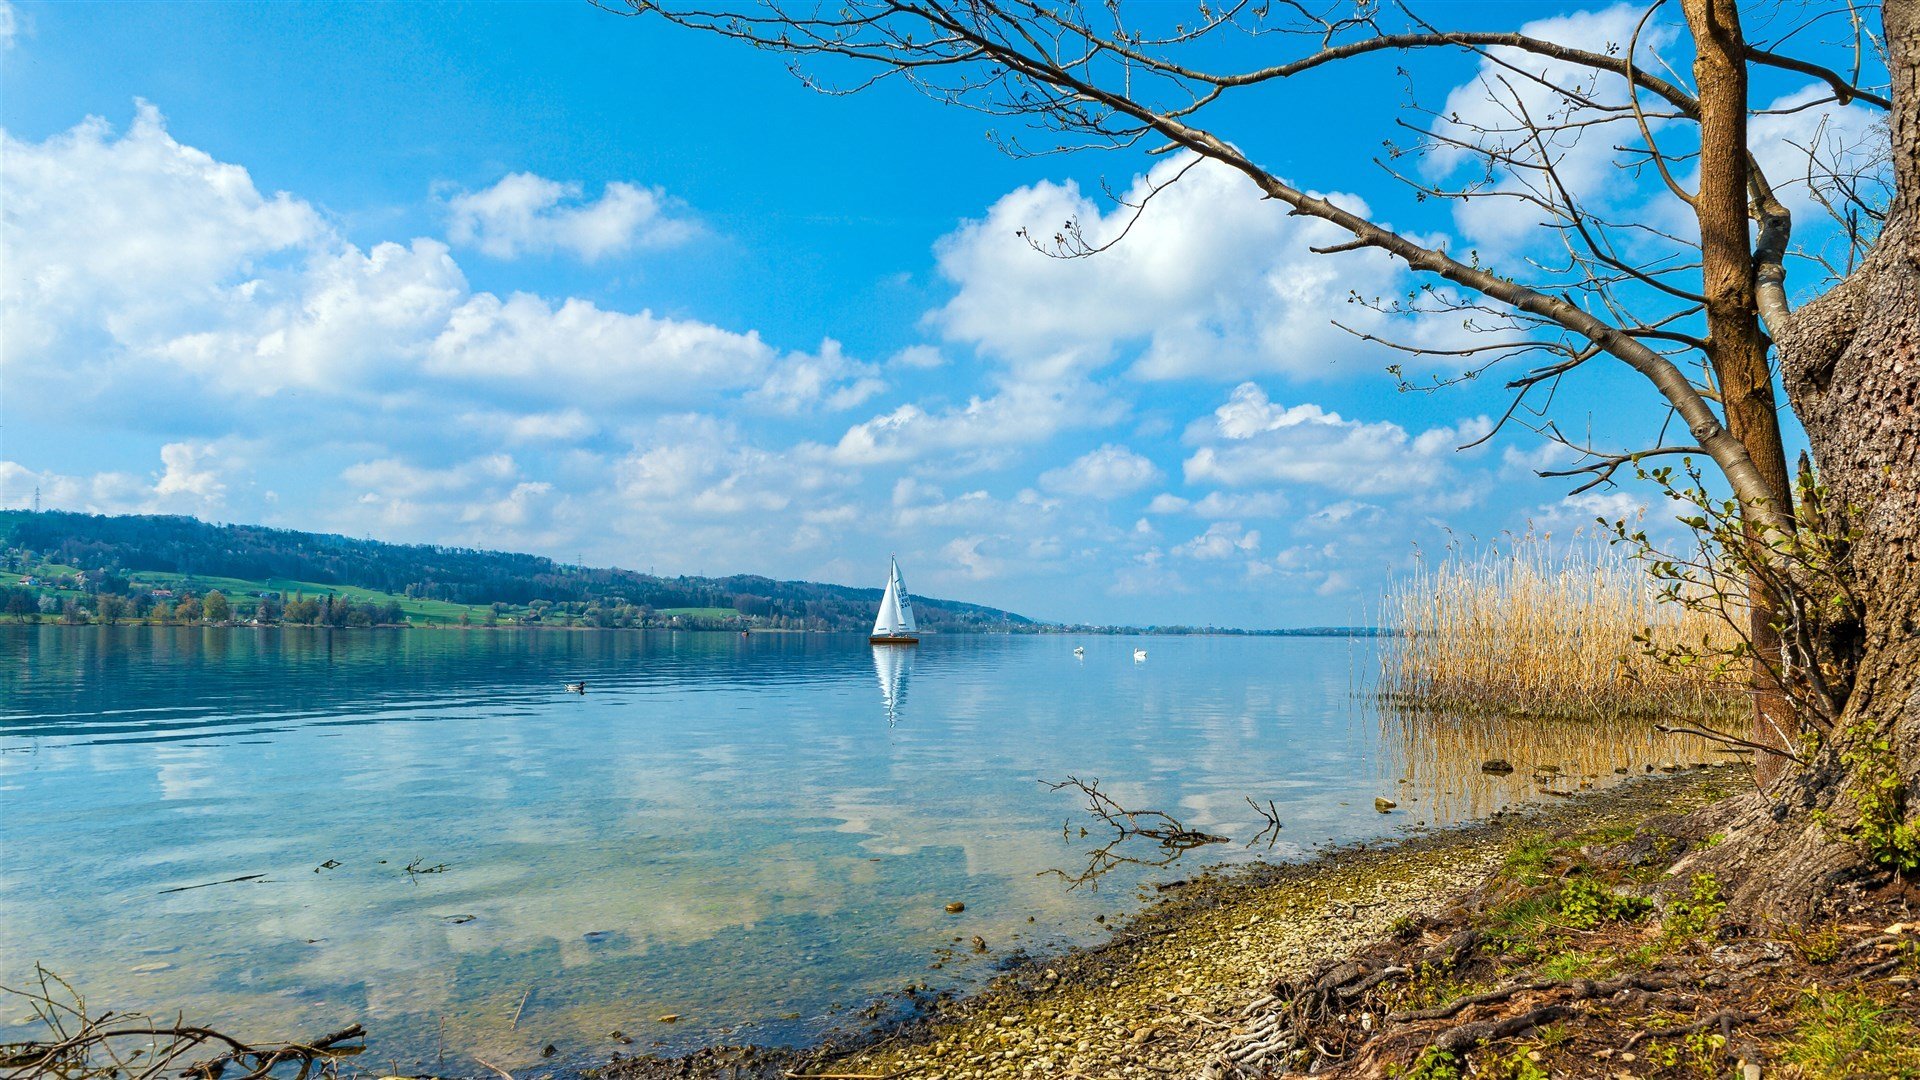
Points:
(828, 378)
(1513, 88)
(483, 500)
(983, 430)
(138, 268)
(1222, 540)
(918, 357)
(702, 466)
(190, 471)
(1251, 441)
(1847, 140)
(576, 350)
(115, 237)
(964, 552)
(1213, 281)
(1346, 514)
(193, 478)
(1106, 473)
(1240, 504)
(525, 213)
(9, 24)
(560, 426)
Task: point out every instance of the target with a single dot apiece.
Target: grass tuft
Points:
(1843, 1035)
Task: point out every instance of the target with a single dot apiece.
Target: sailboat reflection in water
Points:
(893, 666)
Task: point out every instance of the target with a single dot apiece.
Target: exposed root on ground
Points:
(1609, 956)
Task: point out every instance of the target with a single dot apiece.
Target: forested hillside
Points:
(76, 557)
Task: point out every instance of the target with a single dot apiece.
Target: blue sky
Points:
(539, 277)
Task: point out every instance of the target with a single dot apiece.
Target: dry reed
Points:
(1526, 627)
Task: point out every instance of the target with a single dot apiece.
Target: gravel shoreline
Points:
(1170, 988)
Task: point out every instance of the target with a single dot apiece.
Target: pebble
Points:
(956, 908)
(1384, 805)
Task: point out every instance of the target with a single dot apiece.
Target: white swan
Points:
(1080, 651)
(1139, 655)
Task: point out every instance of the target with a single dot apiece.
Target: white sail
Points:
(896, 609)
(899, 588)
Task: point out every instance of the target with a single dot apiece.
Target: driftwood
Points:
(1170, 837)
(82, 1045)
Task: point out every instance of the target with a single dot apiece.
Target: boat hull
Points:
(886, 639)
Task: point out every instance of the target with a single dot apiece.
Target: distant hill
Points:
(78, 555)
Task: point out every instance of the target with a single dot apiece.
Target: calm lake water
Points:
(756, 834)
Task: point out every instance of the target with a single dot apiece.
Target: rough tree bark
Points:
(1851, 365)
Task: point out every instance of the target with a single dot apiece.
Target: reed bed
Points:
(1528, 627)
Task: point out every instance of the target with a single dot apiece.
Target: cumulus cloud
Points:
(1511, 87)
(116, 237)
(1106, 473)
(1222, 540)
(1212, 281)
(1794, 125)
(193, 478)
(136, 262)
(1251, 441)
(525, 213)
(982, 430)
(828, 379)
(704, 466)
(576, 349)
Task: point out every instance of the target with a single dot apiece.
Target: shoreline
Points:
(1166, 991)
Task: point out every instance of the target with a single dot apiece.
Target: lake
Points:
(758, 835)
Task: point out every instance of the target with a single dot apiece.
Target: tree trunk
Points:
(1851, 361)
(1737, 344)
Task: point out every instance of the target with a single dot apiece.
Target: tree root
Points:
(1467, 1036)
(1724, 1020)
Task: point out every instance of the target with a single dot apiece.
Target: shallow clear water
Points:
(756, 834)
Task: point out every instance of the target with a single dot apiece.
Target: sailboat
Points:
(894, 624)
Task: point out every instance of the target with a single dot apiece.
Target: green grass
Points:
(237, 589)
(241, 592)
(1843, 1035)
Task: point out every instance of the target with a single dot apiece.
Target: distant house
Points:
(163, 594)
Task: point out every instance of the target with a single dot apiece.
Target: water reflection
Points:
(893, 664)
(716, 830)
(1443, 756)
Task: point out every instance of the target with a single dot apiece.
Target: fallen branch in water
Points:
(1271, 830)
(1171, 836)
(127, 1046)
(210, 884)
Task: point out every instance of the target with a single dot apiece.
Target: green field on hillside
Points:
(420, 611)
(697, 612)
(242, 592)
